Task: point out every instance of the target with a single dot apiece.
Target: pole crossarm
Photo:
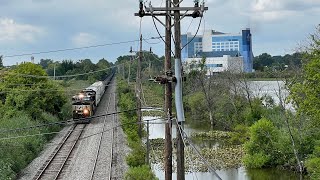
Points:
(162, 14)
(151, 9)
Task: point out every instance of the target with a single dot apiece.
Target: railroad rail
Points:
(114, 155)
(99, 161)
(54, 166)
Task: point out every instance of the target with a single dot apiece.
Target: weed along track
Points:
(55, 166)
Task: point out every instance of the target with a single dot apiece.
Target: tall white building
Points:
(220, 49)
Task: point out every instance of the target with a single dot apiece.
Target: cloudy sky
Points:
(28, 26)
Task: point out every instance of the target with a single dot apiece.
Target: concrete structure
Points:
(215, 45)
(216, 64)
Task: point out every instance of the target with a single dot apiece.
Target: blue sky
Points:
(26, 26)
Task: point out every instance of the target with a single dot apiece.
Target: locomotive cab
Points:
(82, 107)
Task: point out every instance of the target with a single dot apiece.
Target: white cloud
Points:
(275, 10)
(83, 39)
(11, 31)
(271, 16)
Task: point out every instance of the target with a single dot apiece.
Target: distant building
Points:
(216, 64)
(220, 48)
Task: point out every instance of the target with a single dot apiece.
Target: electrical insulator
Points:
(195, 14)
(141, 11)
(196, 3)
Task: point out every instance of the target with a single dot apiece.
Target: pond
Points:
(274, 89)
(157, 128)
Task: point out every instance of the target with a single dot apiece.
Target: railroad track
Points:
(114, 154)
(54, 167)
(102, 169)
(59, 162)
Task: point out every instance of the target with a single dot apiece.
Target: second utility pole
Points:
(178, 91)
(139, 89)
(168, 97)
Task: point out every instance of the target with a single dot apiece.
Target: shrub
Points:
(313, 167)
(257, 160)
(262, 144)
(140, 173)
(136, 157)
(240, 134)
(6, 173)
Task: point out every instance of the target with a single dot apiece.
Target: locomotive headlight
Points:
(81, 96)
(85, 111)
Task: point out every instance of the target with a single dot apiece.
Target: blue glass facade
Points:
(219, 45)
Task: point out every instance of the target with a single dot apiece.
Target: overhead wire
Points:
(68, 76)
(72, 49)
(194, 34)
(73, 121)
(184, 137)
(151, 42)
(185, 145)
(155, 25)
(85, 137)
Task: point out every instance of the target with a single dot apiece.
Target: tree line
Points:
(69, 67)
(265, 62)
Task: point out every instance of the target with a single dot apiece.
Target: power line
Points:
(13, 90)
(40, 134)
(151, 42)
(72, 49)
(194, 34)
(67, 76)
(184, 137)
(73, 121)
(155, 25)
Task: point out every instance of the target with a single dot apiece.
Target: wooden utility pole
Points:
(180, 145)
(168, 98)
(148, 144)
(167, 79)
(129, 69)
(138, 89)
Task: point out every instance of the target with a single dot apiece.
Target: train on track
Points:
(85, 103)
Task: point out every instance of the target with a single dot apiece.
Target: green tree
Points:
(261, 149)
(45, 63)
(305, 92)
(261, 61)
(27, 88)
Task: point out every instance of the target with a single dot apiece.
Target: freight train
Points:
(84, 103)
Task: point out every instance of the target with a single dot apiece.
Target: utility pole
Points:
(168, 97)
(178, 91)
(54, 71)
(139, 85)
(154, 12)
(148, 144)
(138, 91)
(129, 68)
